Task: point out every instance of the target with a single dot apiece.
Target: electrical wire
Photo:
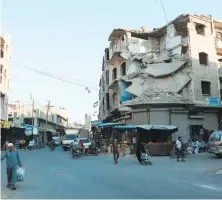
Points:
(87, 88)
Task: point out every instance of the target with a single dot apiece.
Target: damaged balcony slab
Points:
(139, 84)
(158, 97)
(164, 69)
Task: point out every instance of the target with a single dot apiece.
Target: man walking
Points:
(115, 151)
(179, 151)
(12, 163)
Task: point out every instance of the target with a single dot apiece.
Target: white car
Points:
(86, 142)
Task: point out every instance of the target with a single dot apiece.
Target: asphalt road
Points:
(56, 175)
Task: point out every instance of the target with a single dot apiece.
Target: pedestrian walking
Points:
(115, 151)
(179, 150)
(12, 162)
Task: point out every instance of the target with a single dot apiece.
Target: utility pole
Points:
(33, 108)
(46, 120)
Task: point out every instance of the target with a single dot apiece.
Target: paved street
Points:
(57, 175)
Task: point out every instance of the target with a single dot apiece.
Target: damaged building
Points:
(169, 76)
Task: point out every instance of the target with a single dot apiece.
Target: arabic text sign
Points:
(28, 130)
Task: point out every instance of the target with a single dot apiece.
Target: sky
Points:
(68, 38)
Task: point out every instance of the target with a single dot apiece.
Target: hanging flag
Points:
(95, 104)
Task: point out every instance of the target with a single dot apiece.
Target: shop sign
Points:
(4, 124)
(213, 101)
(28, 130)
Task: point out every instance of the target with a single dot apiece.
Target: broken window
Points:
(205, 87)
(203, 58)
(107, 53)
(2, 53)
(107, 101)
(200, 29)
(114, 74)
(107, 76)
(123, 69)
(1, 70)
(219, 36)
(184, 50)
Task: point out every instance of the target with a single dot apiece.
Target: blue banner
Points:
(213, 101)
(124, 95)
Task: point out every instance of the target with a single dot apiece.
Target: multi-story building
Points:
(51, 120)
(5, 77)
(218, 36)
(165, 76)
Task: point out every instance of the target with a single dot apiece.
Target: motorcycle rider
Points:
(75, 146)
(82, 146)
(179, 150)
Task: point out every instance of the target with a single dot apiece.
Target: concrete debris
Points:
(163, 69)
(159, 96)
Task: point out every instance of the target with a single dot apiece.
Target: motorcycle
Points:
(52, 146)
(173, 152)
(144, 155)
(76, 153)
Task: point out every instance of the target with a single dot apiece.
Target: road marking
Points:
(210, 187)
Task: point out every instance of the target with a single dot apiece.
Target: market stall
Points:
(157, 137)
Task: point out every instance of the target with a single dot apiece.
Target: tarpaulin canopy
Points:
(149, 127)
(158, 127)
(110, 124)
(125, 127)
(96, 122)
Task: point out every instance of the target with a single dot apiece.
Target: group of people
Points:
(13, 161)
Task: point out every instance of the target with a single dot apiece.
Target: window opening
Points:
(107, 76)
(203, 58)
(107, 101)
(200, 29)
(123, 69)
(205, 87)
(114, 73)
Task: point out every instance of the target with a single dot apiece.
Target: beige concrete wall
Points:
(5, 73)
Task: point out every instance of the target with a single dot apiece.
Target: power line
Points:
(87, 88)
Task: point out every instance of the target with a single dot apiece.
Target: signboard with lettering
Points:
(28, 130)
(213, 101)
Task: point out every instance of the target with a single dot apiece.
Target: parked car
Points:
(215, 143)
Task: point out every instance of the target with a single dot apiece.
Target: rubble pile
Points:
(159, 96)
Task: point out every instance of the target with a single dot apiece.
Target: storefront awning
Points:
(125, 127)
